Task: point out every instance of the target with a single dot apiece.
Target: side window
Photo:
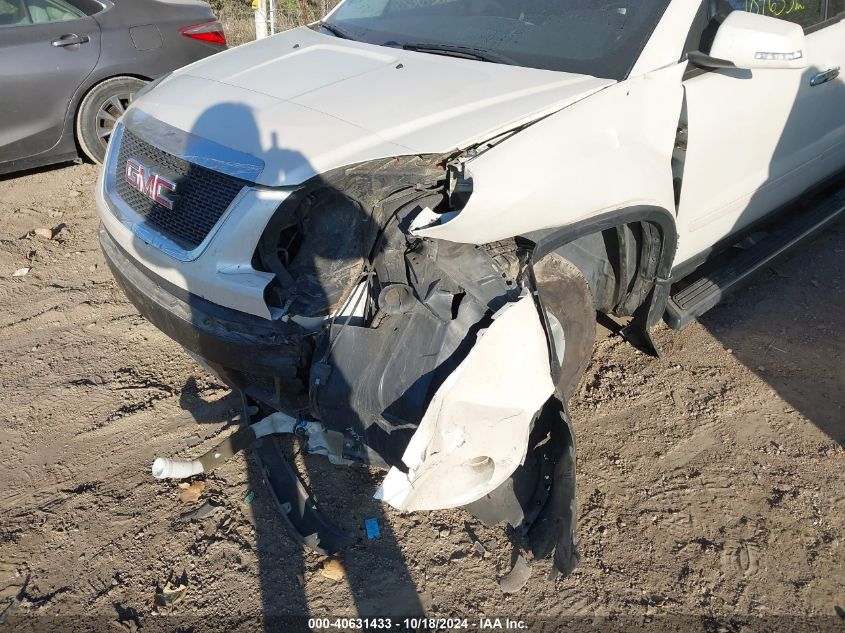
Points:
(835, 7)
(52, 11)
(13, 13)
(807, 13)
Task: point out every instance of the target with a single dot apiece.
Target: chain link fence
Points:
(239, 22)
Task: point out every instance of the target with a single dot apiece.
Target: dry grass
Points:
(239, 21)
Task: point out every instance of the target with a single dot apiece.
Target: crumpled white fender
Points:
(475, 432)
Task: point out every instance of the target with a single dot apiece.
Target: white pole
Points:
(260, 8)
(272, 17)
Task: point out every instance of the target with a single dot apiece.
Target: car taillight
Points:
(211, 32)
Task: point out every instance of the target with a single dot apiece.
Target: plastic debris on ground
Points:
(249, 496)
(516, 579)
(206, 510)
(373, 531)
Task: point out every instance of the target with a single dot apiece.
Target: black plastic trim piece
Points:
(703, 60)
(548, 240)
(706, 292)
(624, 274)
(304, 521)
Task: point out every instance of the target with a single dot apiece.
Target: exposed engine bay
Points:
(430, 359)
(447, 365)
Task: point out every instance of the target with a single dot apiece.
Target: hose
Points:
(164, 468)
(275, 424)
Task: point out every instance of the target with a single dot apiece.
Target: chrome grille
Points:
(201, 198)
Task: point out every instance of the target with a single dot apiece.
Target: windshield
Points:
(592, 37)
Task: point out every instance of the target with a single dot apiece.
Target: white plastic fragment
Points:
(427, 219)
(475, 432)
(20, 272)
(164, 468)
(517, 577)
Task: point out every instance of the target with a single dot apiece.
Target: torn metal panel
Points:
(475, 432)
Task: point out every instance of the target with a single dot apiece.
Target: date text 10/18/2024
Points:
(417, 624)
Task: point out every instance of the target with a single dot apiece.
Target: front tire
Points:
(99, 111)
(568, 301)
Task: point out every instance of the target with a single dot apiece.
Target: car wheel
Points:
(99, 111)
(568, 300)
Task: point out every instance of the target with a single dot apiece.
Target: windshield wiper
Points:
(465, 52)
(331, 28)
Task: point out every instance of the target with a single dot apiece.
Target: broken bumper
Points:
(235, 344)
(451, 391)
(475, 433)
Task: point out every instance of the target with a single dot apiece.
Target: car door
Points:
(756, 139)
(47, 49)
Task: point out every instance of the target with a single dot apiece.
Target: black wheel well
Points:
(622, 255)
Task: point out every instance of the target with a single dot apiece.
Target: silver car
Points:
(71, 67)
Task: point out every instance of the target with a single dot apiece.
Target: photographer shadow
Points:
(376, 575)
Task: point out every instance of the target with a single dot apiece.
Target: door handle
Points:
(71, 39)
(824, 76)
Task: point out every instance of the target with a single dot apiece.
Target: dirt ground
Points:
(710, 495)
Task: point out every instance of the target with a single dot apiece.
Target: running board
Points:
(709, 288)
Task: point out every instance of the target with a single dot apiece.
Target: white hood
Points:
(306, 103)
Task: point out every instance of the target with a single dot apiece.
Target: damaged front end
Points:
(434, 360)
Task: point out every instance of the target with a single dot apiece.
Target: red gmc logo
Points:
(149, 183)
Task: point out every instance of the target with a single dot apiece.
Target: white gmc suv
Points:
(391, 230)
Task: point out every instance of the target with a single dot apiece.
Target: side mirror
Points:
(750, 41)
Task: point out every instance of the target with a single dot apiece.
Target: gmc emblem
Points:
(149, 183)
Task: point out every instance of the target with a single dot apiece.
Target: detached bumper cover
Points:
(475, 433)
